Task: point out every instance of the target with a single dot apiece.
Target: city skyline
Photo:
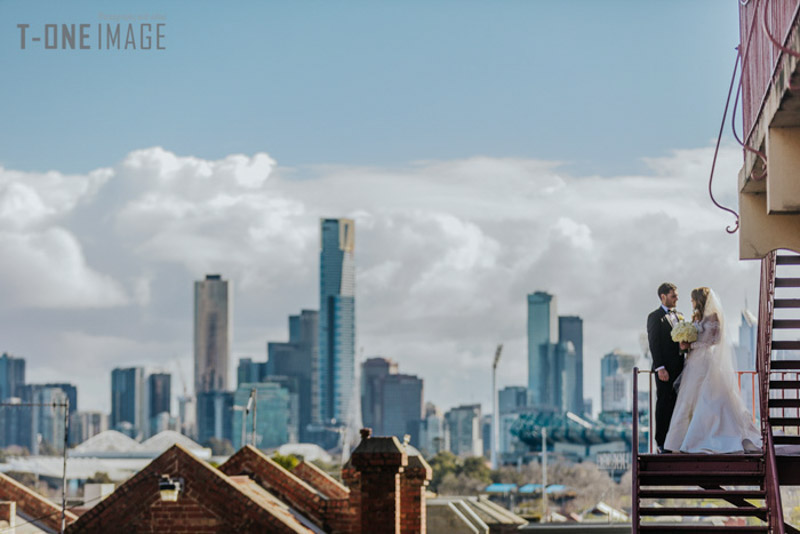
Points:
(448, 153)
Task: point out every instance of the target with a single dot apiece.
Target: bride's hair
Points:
(700, 296)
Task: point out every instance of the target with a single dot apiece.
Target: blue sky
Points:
(486, 149)
(596, 84)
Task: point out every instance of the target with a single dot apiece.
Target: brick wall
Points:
(321, 480)
(413, 485)
(379, 462)
(8, 514)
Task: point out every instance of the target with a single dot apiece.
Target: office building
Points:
(84, 425)
(70, 391)
(212, 332)
(373, 373)
(463, 430)
(745, 353)
(570, 330)
(296, 359)
(512, 398)
(159, 391)
(47, 424)
(128, 401)
(250, 371)
(159, 401)
(187, 416)
(401, 403)
(12, 376)
(214, 416)
(335, 387)
(272, 410)
(542, 340)
(616, 375)
(432, 438)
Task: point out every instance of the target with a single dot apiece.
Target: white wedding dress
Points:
(709, 415)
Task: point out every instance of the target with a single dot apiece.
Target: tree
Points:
(288, 461)
(99, 477)
(444, 463)
(453, 475)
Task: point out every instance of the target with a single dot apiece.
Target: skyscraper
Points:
(373, 373)
(402, 406)
(616, 381)
(127, 399)
(512, 398)
(250, 371)
(214, 416)
(274, 423)
(542, 339)
(12, 376)
(159, 396)
(335, 386)
(296, 359)
(570, 329)
(212, 327)
(463, 430)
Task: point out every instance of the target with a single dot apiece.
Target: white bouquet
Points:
(685, 332)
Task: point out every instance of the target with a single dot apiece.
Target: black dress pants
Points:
(665, 404)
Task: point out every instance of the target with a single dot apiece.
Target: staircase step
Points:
(669, 528)
(787, 260)
(784, 421)
(786, 440)
(786, 345)
(693, 478)
(699, 494)
(776, 365)
(784, 403)
(708, 511)
(787, 282)
(784, 384)
(786, 323)
(786, 303)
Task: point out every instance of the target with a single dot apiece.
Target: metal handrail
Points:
(763, 363)
(651, 435)
(635, 453)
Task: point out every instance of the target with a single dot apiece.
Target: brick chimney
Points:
(8, 514)
(413, 483)
(379, 463)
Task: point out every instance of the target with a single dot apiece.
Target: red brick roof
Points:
(33, 505)
(209, 502)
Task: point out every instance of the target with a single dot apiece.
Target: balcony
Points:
(769, 187)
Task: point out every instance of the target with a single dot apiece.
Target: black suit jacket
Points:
(663, 350)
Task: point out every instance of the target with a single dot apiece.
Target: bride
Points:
(709, 415)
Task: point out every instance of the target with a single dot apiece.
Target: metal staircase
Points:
(784, 401)
(736, 492)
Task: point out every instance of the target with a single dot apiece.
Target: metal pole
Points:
(635, 451)
(495, 412)
(544, 474)
(495, 433)
(650, 379)
(244, 427)
(255, 409)
(64, 475)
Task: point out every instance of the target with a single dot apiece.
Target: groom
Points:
(667, 357)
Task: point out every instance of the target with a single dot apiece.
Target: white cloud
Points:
(445, 250)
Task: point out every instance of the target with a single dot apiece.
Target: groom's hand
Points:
(663, 375)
